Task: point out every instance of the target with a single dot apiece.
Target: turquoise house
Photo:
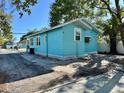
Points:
(76, 38)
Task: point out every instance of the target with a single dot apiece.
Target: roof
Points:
(82, 20)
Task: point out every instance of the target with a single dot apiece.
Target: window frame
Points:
(89, 39)
(75, 35)
(31, 41)
(28, 42)
(38, 40)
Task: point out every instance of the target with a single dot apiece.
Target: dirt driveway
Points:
(16, 67)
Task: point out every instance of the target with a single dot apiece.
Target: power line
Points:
(18, 33)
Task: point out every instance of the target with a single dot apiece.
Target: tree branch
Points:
(108, 6)
(106, 9)
(117, 5)
(101, 7)
(118, 9)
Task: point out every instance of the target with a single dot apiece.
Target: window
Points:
(77, 34)
(87, 39)
(38, 41)
(31, 41)
(27, 42)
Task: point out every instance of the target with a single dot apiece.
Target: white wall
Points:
(120, 47)
(104, 47)
(9, 46)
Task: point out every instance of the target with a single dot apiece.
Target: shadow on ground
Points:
(97, 81)
(14, 67)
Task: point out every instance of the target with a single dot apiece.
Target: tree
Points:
(5, 28)
(66, 10)
(27, 34)
(30, 32)
(63, 11)
(22, 6)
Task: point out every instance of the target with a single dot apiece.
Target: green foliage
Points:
(107, 14)
(5, 28)
(29, 33)
(32, 32)
(66, 10)
(22, 6)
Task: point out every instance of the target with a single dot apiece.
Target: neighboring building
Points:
(9, 45)
(72, 39)
(1, 46)
(22, 44)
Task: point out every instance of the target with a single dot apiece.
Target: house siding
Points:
(52, 44)
(55, 43)
(74, 48)
(41, 50)
(32, 46)
(71, 47)
(60, 42)
(92, 46)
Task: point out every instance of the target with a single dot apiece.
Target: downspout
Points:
(63, 44)
(27, 45)
(46, 44)
(76, 49)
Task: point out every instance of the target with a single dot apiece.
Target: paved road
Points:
(16, 67)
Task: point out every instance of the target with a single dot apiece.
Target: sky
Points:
(39, 18)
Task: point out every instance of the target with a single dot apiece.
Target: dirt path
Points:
(15, 67)
(17, 75)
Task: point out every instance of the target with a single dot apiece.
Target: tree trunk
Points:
(113, 44)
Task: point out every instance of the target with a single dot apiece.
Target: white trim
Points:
(55, 56)
(37, 42)
(27, 42)
(54, 27)
(86, 25)
(95, 52)
(91, 25)
(77, 30)
(82, 20)
(66, 57)
(45, 38)
(32, 41)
